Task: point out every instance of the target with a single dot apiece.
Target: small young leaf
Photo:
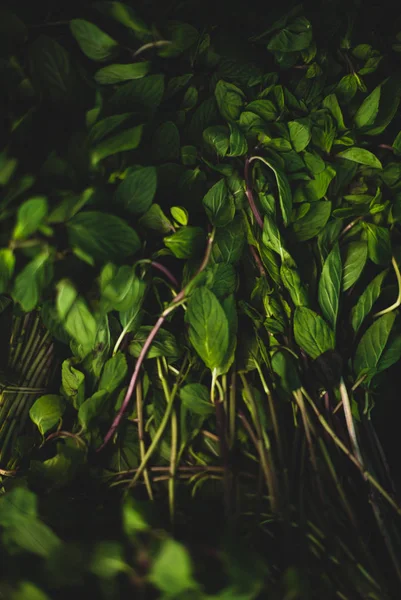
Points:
(208, 327)
(372, 345)
(366, 301)
(93, 42)
(136, 192)
(47, 411)
(330, 286)
(312, 333)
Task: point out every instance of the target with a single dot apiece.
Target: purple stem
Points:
(134, 379)
(164, 270)
(249, 195)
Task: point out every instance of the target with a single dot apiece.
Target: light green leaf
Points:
(300, 133)
(356, 255)
(31, 215)
(93, 42)
(366, 301)
(372, 345)
(208, 327)
(78, 321)
(47, 412)
(330, 286)
(284, 191)
(218, 138)
(292, 281)
(171, 571)
(187, 242)
(92, 408)
(196, 398)
(229, 243)
(331, 103)
(367, 112)
(104, 237)
(238, 143)
(7, 264)
(73, 383)
(219, 204)
(230, 100)
(361, 156)
(312, 333)
(117, 73)
(265, 109)
(123, 289)
(31, 281)
(136, 192)
(114, 372)
(128, 139)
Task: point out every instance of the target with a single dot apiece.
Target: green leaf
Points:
(372, 345)
(114, 372)
(356, 255)
(128, 139)
(330, 286)
(51, 69)
(284, 191)
(104, 237)
(187, 242)
(190, 99)
(204, 115)
(208, 327)
(31, 215)
(26, 590)
(32, 280)
(284, 366)
(92, 409)
(125, 15)
(166, 143)
(182, 36)
(265, 109)
(287, 40)
(331, 103)
(271, 237)
(300, 133)
(218, 138)
(93, 42)
(292, 281)
(379, 244)
(308, 226)
(107, 560)
(156, 220)
(392, 351)
(123, 289)
(367, 112)
(362, 157)
(312, 333)
(230, 100)
(73, 383)
(238, 143)
(317, 188)
(389, 102)
(7, 264)
(113, 74)
(75, 315)
(219, 204)
(366, 301)
(136, 192)
(189, 155)
(180, 215)
(229, 243)
(171, 571)
(164, 343)
(47, 412)
(143, 94)
(196, 398)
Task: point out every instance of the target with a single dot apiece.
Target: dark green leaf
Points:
(31, 281)
(117, 73)
(93, 42)
(166, 142)
(313, 222)
(330, 286)
(230, 100)
(92, 409)
(229, 243)
(356, 255)
(114, 372)
(187, 242)
(73, 383)
(196, 398)
(366, 301)
(121, 142)
(372, 345)
(164, 343)
(125, 15)
(136, 192)
(300, 133)
(367, 112)
(264, 109)
(218, 138)
(219, 204)
(379, 245)
(156, 220)
(51, 68)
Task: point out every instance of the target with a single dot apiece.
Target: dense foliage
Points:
(200, 286)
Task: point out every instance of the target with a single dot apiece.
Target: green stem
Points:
(142, 448)
(397, 303)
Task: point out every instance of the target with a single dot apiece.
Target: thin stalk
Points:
(139, 410)
(232, 409)
(273, 413)
(307, 427)
(20, 342)
(349, 420)
(397, 303)
(221, 432)
(30, 342)
(177, 301)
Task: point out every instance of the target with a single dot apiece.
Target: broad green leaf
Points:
(143, 94)
(7, 264)
(314, 163)
(92, 409)
(230, 100)
(164, 343)
(271, 237)
(293, 283)
(31, 215)
(104, 237)
(300, 133)
(392, 351)
(317, 188)
(156, 220)
(219, 204)
(218, 137)
(330, 286)
(93, 42)
(176, 84)
(367, 112)
(238, 143)
(114, 372)
(47, 412)
(73, 383)
(196, 398)
(379, 244)
(361, 156)
(230, 309)
(190, 99)
(229, 243)
(354, 261)
(113, 74)
(32, 280)
(208, 327)
(189, 155)
(308, 226)
(284, 366)
(346, 88)
(366, 301)
(372, 345)
(312, 333)
(265, 109)
(389, 102)
(78, 321)
(102, 128)
(171, 571)
(187, 242)
(123, 289)
(136, 192)
(121, 142)
(166, 143)
(331, 103)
